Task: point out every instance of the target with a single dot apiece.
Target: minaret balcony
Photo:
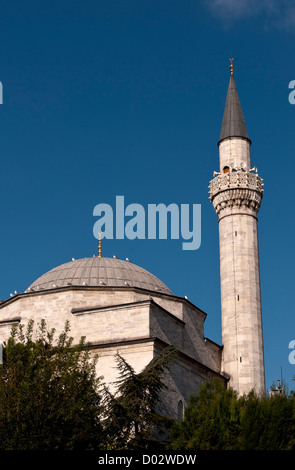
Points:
(234, 180)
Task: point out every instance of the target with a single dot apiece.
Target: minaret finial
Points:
(231, 66)
(99, 246)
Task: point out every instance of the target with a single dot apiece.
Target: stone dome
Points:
(99, 272)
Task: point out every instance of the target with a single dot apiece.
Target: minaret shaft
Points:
(234, 153)
(241, 302)
(236, 195)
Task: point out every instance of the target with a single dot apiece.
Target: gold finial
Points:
(99, 246)
(231, 66)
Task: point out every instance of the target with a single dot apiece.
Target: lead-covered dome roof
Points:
(99, 272)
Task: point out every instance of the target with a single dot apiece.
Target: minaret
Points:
(236, 193)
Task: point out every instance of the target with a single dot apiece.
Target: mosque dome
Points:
(99, 272)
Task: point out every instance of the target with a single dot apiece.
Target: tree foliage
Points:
(211, 420)
(132, 420)
(216, 418)
(268, 423)
(52, 399)
(49, 396)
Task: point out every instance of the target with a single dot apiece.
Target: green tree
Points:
(216, 418)
(268, 423)
(211, 420)
(49, 392)
(132, 420)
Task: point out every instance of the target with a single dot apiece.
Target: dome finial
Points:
(99, 246)
(231, 66)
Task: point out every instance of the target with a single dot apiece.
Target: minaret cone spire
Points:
(233, 123)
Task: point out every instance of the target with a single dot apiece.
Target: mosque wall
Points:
(131, 323)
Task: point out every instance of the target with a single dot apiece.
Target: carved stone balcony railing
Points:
(240, 190)
(234, 180)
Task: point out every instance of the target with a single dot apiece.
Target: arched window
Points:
(226, 169)
(180, 410)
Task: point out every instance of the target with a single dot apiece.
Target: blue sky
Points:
(126, 98)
